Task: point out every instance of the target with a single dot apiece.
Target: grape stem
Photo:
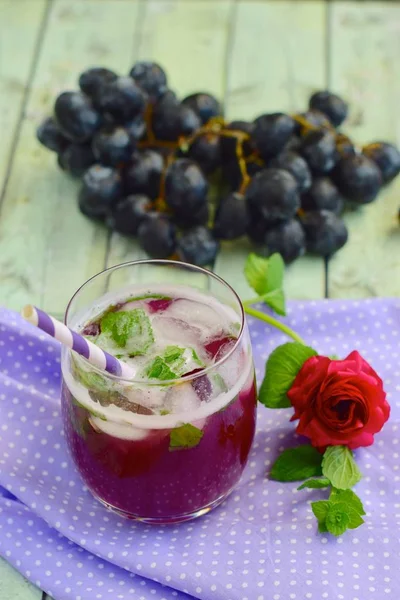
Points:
(270, 320)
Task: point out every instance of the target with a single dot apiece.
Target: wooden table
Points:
(258, 56)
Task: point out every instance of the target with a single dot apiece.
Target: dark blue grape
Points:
(233, 175)
(344, 146)
(92, 80)
(204, 105)
(186, 187)
(151, 77)
(121, 100)
(128, 214)
(171, 120)
(323, 194)
(228, 144)
(325, 232)
(101, 189)
(257, 228)
(76, 117)
(272, 196)
(197, 246)
(231, 219)
(271, 133)
(136, 127)
(112, 146)
(143, 175)
(331, 105)
(157, 236)
(206, 151)
(288, 239)
(358, 178)
(319, 149)
(50, 136)
(386, 156)
(296, 165)
(316, 118)
(76, 159)
(195, 217)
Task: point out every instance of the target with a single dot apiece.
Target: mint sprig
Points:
(336, 468)
(343, 510)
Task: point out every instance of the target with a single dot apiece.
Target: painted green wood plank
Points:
(189, 40)
(277, 59)
(365, 69)
(20, 21)
(14, 587)
(47, 248)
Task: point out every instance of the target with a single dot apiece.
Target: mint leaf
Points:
(186, 436)
(159, 369)
(295, 464)
(349, 498)
(265, 276)
(337, 519)
(129, 329)
(315, 484)
(339, 467)
(173, 363)
(281, 369)
(320, 510)
(89, 379)
(173, 356)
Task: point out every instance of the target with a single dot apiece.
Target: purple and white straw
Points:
(95, 355)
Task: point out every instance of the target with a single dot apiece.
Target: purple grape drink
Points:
(171, 444)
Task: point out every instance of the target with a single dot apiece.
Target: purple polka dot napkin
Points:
(260, 544)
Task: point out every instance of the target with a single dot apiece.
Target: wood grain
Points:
(22, 21)
(47, 248)
(15, 587)
(276, 60)
(365, 69)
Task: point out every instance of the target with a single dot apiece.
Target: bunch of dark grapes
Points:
(146, 158)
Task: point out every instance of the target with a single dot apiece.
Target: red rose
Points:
(338, 402)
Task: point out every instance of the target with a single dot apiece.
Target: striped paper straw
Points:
(95, 355)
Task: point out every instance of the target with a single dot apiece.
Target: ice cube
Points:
(210, 322)
(118, 430)
(174, 331)
(182, 398)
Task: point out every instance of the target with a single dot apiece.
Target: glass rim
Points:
(164, 262)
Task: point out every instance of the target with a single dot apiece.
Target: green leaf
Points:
(265, 276)
(315, 484)
(173, 363)
(320, 510)
(338, 519)
(276, 301)
(89, 379)
(130, 329)
(295, 464)
(281, 369)
(186, 436)
(334, 357)
(349, 498)
(159, 369)
(339, 467)
(355, 519)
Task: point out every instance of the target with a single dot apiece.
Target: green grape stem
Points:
(271, 321)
